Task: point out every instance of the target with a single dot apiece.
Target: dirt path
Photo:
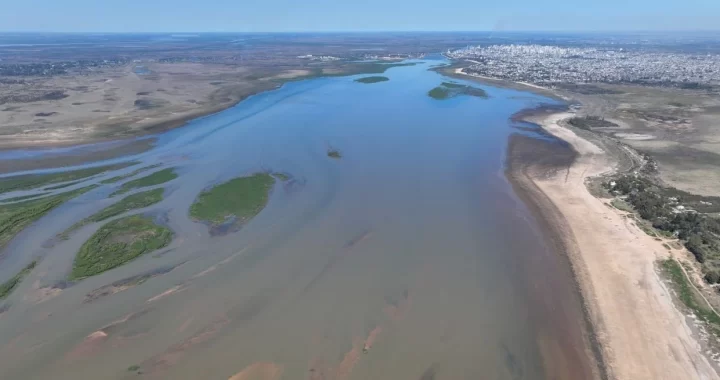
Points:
(642, 334)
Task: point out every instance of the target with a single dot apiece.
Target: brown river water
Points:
(409, 258)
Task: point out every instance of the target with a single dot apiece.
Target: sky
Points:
(356, 15)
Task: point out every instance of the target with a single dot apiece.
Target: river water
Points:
(408, 258)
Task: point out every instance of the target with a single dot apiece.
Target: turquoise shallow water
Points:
(412, 246)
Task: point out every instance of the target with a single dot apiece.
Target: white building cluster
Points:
(546, 65)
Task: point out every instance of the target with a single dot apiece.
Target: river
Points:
(408, 258)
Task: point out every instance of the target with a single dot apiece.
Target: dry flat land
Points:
(679, 129)
(117, 102)
(641, 333)
(121, 102)
(130, 85)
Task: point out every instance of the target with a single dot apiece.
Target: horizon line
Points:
(366, 31)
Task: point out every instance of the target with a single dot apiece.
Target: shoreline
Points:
(548, 219)
(633, 325)
(142, 132)
(455, 72)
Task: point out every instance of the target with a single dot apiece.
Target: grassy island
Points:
(117, 243)
(8, 286)
(373, 79)
(15, 217)
(447, 90)
(128, 175)
(31, 181)
(240, 198)
(153, 179)
(334, 153)
(131, 202)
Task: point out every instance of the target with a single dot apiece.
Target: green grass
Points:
(447, 90)
(242, 198)
(16, 216)
(24, 197)
(117, 243)
(646, 227)
(334, 153)
(439, 93)
(687, 295)
(374, 79)
(453, 85)
(131, 202)
(62, 186)
(622, 205)
(30, 181)
(132, 174)
(8, 286)
(153, 179)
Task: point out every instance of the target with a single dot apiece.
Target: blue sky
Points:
(356, 15)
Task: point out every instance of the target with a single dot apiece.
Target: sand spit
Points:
(166, 293)
(640, 332)
(91, 343)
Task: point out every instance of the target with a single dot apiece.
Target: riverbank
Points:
(639, 331)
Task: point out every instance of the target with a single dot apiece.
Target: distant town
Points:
(549, 65)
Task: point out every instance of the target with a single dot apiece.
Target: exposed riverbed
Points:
(407, 258)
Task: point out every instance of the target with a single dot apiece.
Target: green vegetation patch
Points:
(452, 85)
(30, 181)
(672, 213)
(24, 197)
(591, 122)
(374, 79)
(688, 295)
(132, 174)
(153, 179)
(16, 216)
(345, 69)
(8, 286)
(622, 205)
(240, 198)
(131, 202)
(62, 186)
(439, 93)
(117, 243)
(447, 90)
(334, 153)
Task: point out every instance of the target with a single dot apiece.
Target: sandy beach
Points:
(639, 331)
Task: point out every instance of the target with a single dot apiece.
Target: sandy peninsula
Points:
(641, 334)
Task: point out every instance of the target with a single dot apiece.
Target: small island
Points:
(447, 90)
(334, 153)
(117, 243)
(234, 202)
(373, 79)
(153, 179)
(131, 202)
